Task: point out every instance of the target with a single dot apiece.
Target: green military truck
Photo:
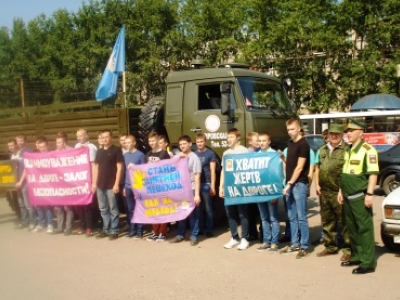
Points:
(208, 100)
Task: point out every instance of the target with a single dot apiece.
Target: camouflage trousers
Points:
(332, 215)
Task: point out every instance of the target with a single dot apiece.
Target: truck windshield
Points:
(259, 93)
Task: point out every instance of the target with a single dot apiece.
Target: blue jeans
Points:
(109, 210)
(206, 202)
(130, 201)
(297, 214)
(27, 211)
(269, 221)
(194, 225)
(45, 212)
(234, 211)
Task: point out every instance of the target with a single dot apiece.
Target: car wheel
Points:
(388, 242)
(389, 184)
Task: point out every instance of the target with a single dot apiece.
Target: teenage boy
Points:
(233, 139)
(44, 212)
(27, 211)
(85, 212)
(295, 191)
(194, 162)
(252, 208)
(268, 210)
(62, 211)
(132, 157)
(208, 177)
(154, 155)
(106, 180)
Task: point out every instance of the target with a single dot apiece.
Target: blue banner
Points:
(252, 177)
(116, 65)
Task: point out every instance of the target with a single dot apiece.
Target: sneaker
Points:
(113, 236)
(50, 229)
(244, 244)
(139, 236)
(193, 242)
(231, 244)
(176, 239)
(131, 235)
(273, 248)
(289, 250)
(38, 228)
(302, 253)
(264, 247)
(102, 234)
(89, 232)
(31, 227)
(152, 238)
(209, 234)
(79, 231)
(57, 231)
(21, 226)
(67, 232)
(161, 238)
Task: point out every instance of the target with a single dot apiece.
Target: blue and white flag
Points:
(252, 177)
(115, 66)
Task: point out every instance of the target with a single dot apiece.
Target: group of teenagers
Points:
(345, 176)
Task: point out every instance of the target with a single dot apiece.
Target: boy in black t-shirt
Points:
(106, 182)
(297, 169)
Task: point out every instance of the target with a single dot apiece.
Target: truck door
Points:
(203, 114)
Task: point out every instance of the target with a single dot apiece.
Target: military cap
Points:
(335, 128)
(353, 124)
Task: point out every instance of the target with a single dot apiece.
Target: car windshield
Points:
(259, 93)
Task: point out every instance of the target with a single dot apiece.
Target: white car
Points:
(390, 227)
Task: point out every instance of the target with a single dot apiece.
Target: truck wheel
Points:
(388, 242)
(389, 184)
(151, 119)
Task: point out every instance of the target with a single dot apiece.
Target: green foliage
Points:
(335, 51)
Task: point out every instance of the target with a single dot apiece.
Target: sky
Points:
(29, 9)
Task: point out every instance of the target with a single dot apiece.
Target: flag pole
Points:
(124, 86)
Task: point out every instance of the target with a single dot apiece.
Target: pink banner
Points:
(59, 177)
(163, 191)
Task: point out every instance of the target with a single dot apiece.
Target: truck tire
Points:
(151, 119)
(389, 243)
(389, 184)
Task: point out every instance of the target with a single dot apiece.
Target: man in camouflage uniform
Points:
(327, 182)
(358, 180)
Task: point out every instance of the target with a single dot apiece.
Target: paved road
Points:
(40, 266)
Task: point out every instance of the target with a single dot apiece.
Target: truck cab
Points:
(214, 100)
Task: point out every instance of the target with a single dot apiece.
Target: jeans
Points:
(232, 212)
(270, 221)
(27, 211)
(206, 202)
(109, 210)
(194, 225)
(45, 212)
(130, 201)
(297, 214)
(61, 211)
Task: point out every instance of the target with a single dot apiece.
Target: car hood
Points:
(393, 198)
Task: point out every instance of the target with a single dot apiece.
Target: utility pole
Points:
(21, 81)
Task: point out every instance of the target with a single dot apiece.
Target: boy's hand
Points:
(197, 200)
(183, 155)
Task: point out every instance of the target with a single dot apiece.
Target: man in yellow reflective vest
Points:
(358, 180)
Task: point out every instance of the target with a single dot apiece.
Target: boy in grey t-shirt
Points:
(185, 145)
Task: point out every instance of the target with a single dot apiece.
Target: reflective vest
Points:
(359, 163)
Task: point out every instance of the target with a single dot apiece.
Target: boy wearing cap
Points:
(358, 180)
(327, 183)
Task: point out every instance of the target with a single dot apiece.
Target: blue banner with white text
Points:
(252, 177)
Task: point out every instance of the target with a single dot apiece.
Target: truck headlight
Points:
(392, 212)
